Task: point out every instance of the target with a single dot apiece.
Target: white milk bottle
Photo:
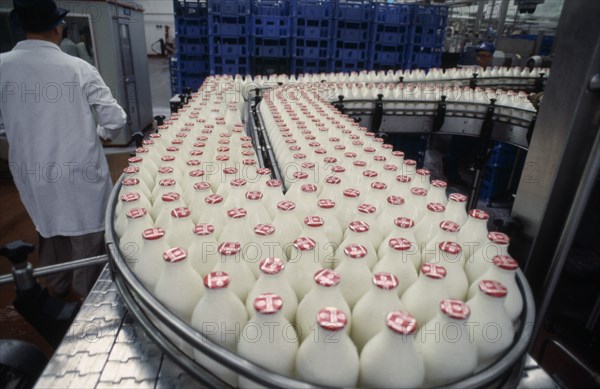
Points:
(324, 292)
(214, 213)
(234, 193)
(494, 332)
(263, 245)
(259, 180)
(255, 205)
(402, 261)
(447, 231)
(437, 192)
(143, 175)
(409, 168)
(302, 265)
(134, 185)
(401, 186)
(403, 228)
(368, 315)
(450, 256)
(329, 358)
(272, 279)
(331, 226)
(332, 189)
(238, 228)
(379, 367)
(504, 271)
(195, 200)
(348, 202)
(162, 208)
(427, 227)
(294, 186)
(358, 233)
(473, 234)
(313, 228)
(388, 174)
(422, 299)
(138, 220)
(127, 202)
(179, 287)
(272, 195)
(307, 201)
(421, 179)
(165, 185)
(456, 208)
(444, 342)
(394, 208)
(268, 339)
(416, 202)
(481, 261)
(203, 253)
(232, 263)
(355, 273)
(181, 228)
(220, 316)
(377, 194)
(150, 263)
(287, 226)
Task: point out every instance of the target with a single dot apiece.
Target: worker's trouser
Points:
(59, 249)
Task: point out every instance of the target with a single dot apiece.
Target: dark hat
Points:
(38, 15)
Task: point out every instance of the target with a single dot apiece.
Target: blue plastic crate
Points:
(388, 57)
(357, 11)
(426, 60)
(194, 65)
(430, 15)
(191, 27)
(271, 26)
(193, 8)
(229, 27)
(394, 14)
(352, 35)
(313, 32)
(193, 82)
(351, 54)
(231, 49)
(348, 66)
(428, 36)
(502, 155)
(229, 7)
(314, 9)
(301, 65)
(271, 51)
(311, 52)
(391, 38)
(192, 46)
(230, 65)
(271, 7)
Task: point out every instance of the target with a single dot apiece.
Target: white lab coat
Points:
(49, 105)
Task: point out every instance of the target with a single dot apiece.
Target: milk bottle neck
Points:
(490, 302)
(475, 224)
(395, 340)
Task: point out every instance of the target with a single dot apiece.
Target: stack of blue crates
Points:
(191, 65)
(428, 34)
(352, 35)
(502, 162)
(229, 32)
(271, 32)
(391, 35)
(312, 42)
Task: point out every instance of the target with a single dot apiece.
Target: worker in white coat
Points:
(53, 108)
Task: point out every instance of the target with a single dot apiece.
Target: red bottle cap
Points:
(167, 158)
(216, 280)
(196, 153)
(213, 199)
(174, 255)
(380, 158)
(131, 181)
(332, 319)
(330, 160)
(131, 170)
(204, 229)
(400, 244)
(286, 205)
(254, 195)
(378, 185)
(352, 193)
(201, 186)
(326, 203)
(314, 221)
(423, 172)
(439, 184)
(350, 154)
(130, 196)
(493, 288)
(395, 200)
(237, 213)
(401, 322)
(327, 278)
(419, 192)
(455, 309)
(193, 162)
(136, 213)
(398, 153)
(404, 222)
(505, 262)
(479, 214)
(274, 183)
(458, 197)
(197, 173)
(300, 175)
(370, 173)
(308, 188)
(367, 209)
(180, 212)
(271, 266)
(304, 244)
(436, 207)
(355, 251)
(449, 226)
(450, 247)
(433, 271)
(167, 182)
(229, 248)
(264, 229)
(403, 179)
(385, 281)
(338, 169)
(358, 226)
(170, 197)
(410, 162)
(153, 233)
(498, 238)
(268, 303)
(334, 180)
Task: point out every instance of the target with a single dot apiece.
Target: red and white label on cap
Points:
(264, 229)
(204, 229)
(222, 149)
(299, 156)
(165, 182)
(433, 271)
(369, 150)
(326, 203)
(254, 195)
(385, 281)
(130, 181)
(174, 255)
(436, 207)
(387, 146)
(352, 193)
(130, 196)
(305, 244)
(153, 233)
(419, 192)
(401, 322)
(237, 213)
(268, 303)
(423, 172)
(399, 244)
(170, 197)
(404, 222)
(357, 142)
(332, 319)
(379, 185)
(314, 144)
(131, 170)
(263, 171)
(355, 251)
(340, 147)
(334, 139)
(314, 221)
(245, 138)
(290, 141)
(398, 153)
(379, 158)
(330, 160)
(505, 262)
(300, 175)
(359, 226)
(390, 168)
(327, 278)
(167, 158)
(498, 238)
(458, 197)
(308, 188)
(229, 248)
(216, 280)
(171, 149)
(338, 169)
(294, 148)
(213, 199)
(136, 213)
(147, 142)
(237, 182)
(439, 184)
(271, 266)
(334, 180)
(222, 158)
(450, 247)
(274, 183)
(359, 163)
(286, 205)
(493, 288)
(455, 309)
(403, 179)
(181, 212)
(230, 170)
(308, 165)
(165, 170)
(449, 226)
(395, 200)
(410, 162)
(154, 136)
(479, 214)
(350, 154)
(199, 144)
(140, 150)
(196, 153)
(367, 209)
